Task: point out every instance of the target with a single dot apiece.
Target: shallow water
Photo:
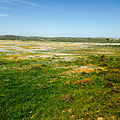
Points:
(56, 49)
(97, 43)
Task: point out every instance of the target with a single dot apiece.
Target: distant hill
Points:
(13, 37)
(60, 39)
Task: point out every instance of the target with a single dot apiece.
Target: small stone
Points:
(70, 110)
(100, 118)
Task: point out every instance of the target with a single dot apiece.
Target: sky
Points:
(60, 18)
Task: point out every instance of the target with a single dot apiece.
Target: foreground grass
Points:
(48, 90)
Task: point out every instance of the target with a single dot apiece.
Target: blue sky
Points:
(75, 18)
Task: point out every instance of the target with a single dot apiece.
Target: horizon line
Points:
(56, 36)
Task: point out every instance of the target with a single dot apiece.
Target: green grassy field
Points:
(64, 81)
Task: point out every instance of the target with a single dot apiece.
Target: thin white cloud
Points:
(3, 15)
(31, 4)
(5, 8)
(27, 2)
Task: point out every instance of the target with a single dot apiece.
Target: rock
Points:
(100, 118)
